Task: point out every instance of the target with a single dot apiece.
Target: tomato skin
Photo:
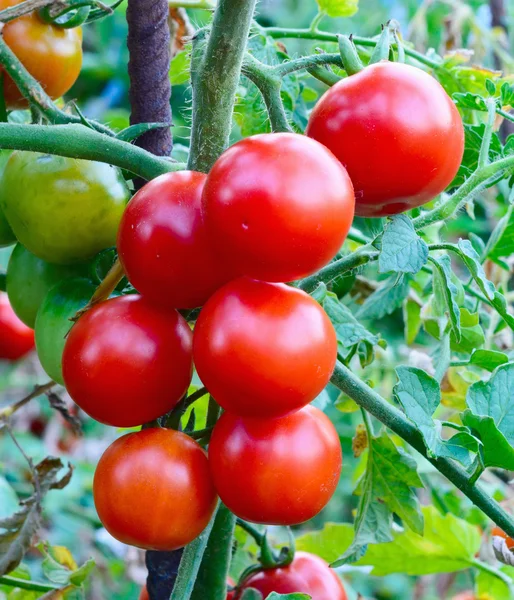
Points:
(144, 594)
(16, 339)
(7, 237)
(163, 244)
(152, 489)
(396, 131)
(498, 532)
(127, 362)
(259, 465)
(52, 55)
(278, 205)
(278, 361)
(307, 573)
(63, 210)
(29, 279)
(53, 322)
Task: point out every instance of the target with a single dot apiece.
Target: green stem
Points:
(199, 434)
(485, 568)
(325, 36)
(251, 530)
(78, 141)
(392, 417)
(173, 419)
(307, 62)
(23, 8)
(215, 73)
(483, 157)
(505, 114)
(338, 267)
(26, 584)
(324, 75)
(470, 188)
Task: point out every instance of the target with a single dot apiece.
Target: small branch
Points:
(78, 141)
(24, 8)
(485, 568)
(173, 419)
(39, 390)
(201, 433)
(307, 62)
(215, 72)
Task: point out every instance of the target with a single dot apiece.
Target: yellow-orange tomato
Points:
(51, 55)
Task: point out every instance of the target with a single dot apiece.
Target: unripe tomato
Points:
(16, 339)
(153, 489)
(64, 210)
(498, 532)
(29, 279)
(276, 471)
(278, 206)
(53, 322)
(307, 574)
(163, 244)
(263, 349)
(52, 55)
(396, 131)
(7, 237)
(127, 362)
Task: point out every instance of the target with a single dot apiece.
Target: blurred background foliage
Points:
(102, 90)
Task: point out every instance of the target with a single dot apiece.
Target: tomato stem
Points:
(27, 584)
(39, 390)
(23, 8)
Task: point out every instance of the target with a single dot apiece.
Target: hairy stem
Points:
(24, 8)
(27, 584)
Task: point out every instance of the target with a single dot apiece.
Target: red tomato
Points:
(144, 594)
(127, 362)
(307, 574)
(497, 532)
(276, 471)
(263, 349)
(163, 244)
(396, 131)
(16, 339)
(153, 489)
(278, 205)
(50, 54)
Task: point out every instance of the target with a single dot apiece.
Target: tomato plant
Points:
(396, 131)
(16, 339)
(258, 465)
(163, 225)
(140, 497)
(287, 224)
(278, 362)
(127, 362)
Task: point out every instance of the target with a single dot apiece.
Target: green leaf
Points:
(349, 331)
(472, 262)
(449, 544)
(488, 359)
(180, 67)
(471, 101)
(420, 395)
(328, 542)
(446, 290)
(386, 299)
(412, 320)
(134, 131)
(496, 450)
(385, 488)
(503, 244)
(402, 251)
(473, 141)
(275, 596)
(491, 587)
(338, 8)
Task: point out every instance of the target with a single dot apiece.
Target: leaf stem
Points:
(27, 584)
(251, 530)
(483, 157)
(6, 412)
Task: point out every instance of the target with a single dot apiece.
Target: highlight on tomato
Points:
(278, 206)
(307, 574)
(52, 55)
(396, 131)
(16, 339)
(258, 465)
(127, 362)
(263, 349)
(163, 244)
(153, 489)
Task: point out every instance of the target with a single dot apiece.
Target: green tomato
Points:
(30, 278)
(53, 321)
(63, 210)
(7, 237)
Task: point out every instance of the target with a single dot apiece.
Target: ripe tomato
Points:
(307, 574)
(153, 489)
(497, 532)
(396, 131)
(63, 210)
(263, 349)
(144, 594)
(53, 322)
(52, 55)
(127, 362)
(16, 339)
(29, 279)
(278, 205)
(163, 244)
(276, 471)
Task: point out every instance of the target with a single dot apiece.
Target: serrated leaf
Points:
(448, 291)
(469, 100)
(385, 488)
(420, 395)
(449, 544)
(349, 331)
(402, 250)
(338, 8)
(386, 299)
